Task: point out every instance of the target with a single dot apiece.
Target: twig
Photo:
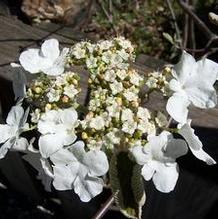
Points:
(110, 6)
(109, 17)
(212, 51)
(174, 21)
(89, 11)
(212, 37)
(186, 30)
(104, 208)
(202, 26)
(169, 122)
(192, 35)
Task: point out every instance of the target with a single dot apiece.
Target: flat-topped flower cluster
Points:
(74, 147)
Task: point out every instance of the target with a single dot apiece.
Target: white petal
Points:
(15, 65)
(62, 157)
(185, 68)
(195, 144)
(68, 138)
(47, 122)
(139, 155)
(200, 88)
(202, 97)
(88, 188)
(165, 177)
(176, 148)
(6, 132)
(49, 144)
(5, 147)
(208, 72)
(50, 49)
(15, 115)
(177, 107)
(32, 62)
(20, 144)
(96, 162)
(64, 176)
(54, 70)
(78, 150)
(188, 134)
(202, 155)
(157, 144)
(175, 85)
(46, 166)
(147, 171)
(58, 66)
(23, 120)
(69, 116)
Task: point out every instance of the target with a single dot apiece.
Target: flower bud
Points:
(65, 99)
(37, 90)
(84, 135)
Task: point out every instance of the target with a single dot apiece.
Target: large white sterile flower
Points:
(10, 132)
(158, 158)
(57, 129)
(75, 168)
(195, 144)
(192, 84)
(48, 59)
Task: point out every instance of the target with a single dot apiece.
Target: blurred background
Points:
(158, 28)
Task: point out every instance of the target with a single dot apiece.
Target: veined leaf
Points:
(168, 37)
(127, 185)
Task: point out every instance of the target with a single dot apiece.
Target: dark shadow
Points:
(6, 96)
(14, 7)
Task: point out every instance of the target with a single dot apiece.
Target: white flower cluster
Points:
(114, 118)
(104, 55)
(47, 93)
(72, 151)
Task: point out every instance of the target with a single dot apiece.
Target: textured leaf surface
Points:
(127, 185)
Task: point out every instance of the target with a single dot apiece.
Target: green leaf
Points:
(169, 38)
(127, 185)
